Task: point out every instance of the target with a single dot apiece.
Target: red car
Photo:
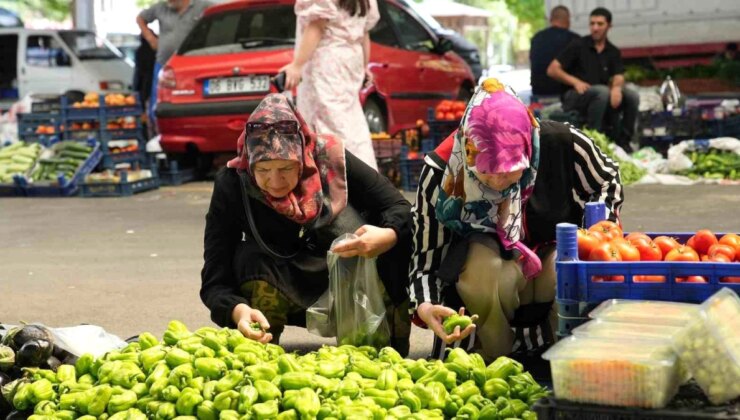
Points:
(222, 71)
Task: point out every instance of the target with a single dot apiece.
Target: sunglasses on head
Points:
(280, 127)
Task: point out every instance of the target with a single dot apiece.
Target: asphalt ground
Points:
(132, 264)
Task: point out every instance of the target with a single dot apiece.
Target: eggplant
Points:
(53, 363)
(7, 391)
(5, 406)
(19, 415)
(18, 336)
(70, 359)
(34, 353)
(7, 358)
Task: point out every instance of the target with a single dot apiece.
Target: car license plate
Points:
(233, 85)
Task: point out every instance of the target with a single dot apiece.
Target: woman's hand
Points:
(371, 241)
(292, 75)
(244, 317)
(433, 316)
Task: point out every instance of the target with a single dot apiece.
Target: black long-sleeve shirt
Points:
(227, 226)
(572, 171)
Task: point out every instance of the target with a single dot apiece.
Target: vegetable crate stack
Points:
(638, 354)
(215, 373)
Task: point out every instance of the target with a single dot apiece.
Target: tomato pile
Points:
(605, 241)
(450, 110)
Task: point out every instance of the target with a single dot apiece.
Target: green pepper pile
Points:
(219, 374)
(714, 164)
(628, 171)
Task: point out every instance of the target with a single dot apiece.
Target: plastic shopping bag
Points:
(352, 308)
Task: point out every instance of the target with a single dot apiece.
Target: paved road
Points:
(132, 264)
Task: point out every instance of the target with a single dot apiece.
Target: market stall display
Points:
(218, 373)
(17, 159)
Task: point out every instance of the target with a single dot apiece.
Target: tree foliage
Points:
(57, 10)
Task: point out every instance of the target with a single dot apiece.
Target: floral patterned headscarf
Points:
(497, 134)
(321, 193)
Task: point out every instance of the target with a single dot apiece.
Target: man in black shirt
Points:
(592, 66)
(546, 45)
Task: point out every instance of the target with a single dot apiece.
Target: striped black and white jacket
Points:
(572, 172)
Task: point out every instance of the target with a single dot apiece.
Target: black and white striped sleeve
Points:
(431, 240)
(597, 176)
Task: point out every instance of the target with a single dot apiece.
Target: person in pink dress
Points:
(329, 66)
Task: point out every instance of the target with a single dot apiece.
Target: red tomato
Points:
(648, 279)
(666, 244)
(640, 241)
(604, 252)
(449, 115)
(692, 242)
(718, 258)
(729, 279)
(632, 237)
(587, 241)
(704, 239)
(734, 241)
(626, 250)
(609, 229)
(648, 251)
(691, 279)
(722, 249)
(459, 115)
(682, 253)
(440, 115)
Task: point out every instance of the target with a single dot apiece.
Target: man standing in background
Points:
(176, 18)
(546, 45)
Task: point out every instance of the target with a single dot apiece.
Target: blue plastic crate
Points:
(70, 113)
(110, 160)
(12, 190)
(135, 110)
(119, 189)
(29, 123)
(577, 292)
(439, 130)
(65, 187)
(410, 171)
(176, 176)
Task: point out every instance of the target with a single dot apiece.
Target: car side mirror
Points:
(443, 45)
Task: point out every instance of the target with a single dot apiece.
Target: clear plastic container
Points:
(635, 373)
(710, 347)
(646, 312)
(662, 335)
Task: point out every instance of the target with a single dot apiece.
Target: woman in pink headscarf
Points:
(473, 245)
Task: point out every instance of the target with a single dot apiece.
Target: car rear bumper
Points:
(206, 134)
(203, 109)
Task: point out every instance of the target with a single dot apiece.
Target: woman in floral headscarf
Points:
(473, 245)
(274, 213)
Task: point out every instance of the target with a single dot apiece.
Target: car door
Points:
(46, 65)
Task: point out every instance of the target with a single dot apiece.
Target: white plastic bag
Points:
(82, 339)
(352, 308)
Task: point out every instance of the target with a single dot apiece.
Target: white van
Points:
(58, 61)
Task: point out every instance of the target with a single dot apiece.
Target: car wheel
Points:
(375, 117)
(465, 94)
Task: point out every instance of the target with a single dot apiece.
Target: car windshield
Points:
(87, 46)
(234, 31)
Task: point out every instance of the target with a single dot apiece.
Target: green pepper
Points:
(176, 357)
(404, 384)
(45, 408)
(479, 401)
(400, 411)
(170, 393)
(287, 363)
(439, 374)
(503, 367)
(175, 332)
(389, 355)
(69, 386)
(489, 412)
(248, 396)
(438, 394)
(99, 401)
(462, 372)
(71, 415)
(143, 402)
(384, 398)
(41, 390)
(328, 409)
(209, 390)
(213, 342)
(466, 390)
(126, 375)
(297, 380)
(461, 357)
(326, 385)
(66, 373)
(495, 388)
(348, 387)
(456, 320)
(197, 383)
(210, 367)
(206, 411)
(518, 407)
(479, 376)
(147, 340)
(181, 375)
(149, 357)
(161, 370)
(469, 411)
(232, 361)
(266, 410)
(388, 379)
(204, 352)
(227, 400)
(273, 350)
(423, 393)
(307, 403)
(267, 390)
(191, 344)
(122, 402)
(366, 368)
(411, 400)
(83, 364)
(186, 402)
(228, 415)
(123, 357)
(453, 404)
(289, 398)
(288, 414)
(166, 411)
(528, 415)
(355, 412)
(86, 379)
(331, 369)
(230, 381)
(76, 401)
(261, 372)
